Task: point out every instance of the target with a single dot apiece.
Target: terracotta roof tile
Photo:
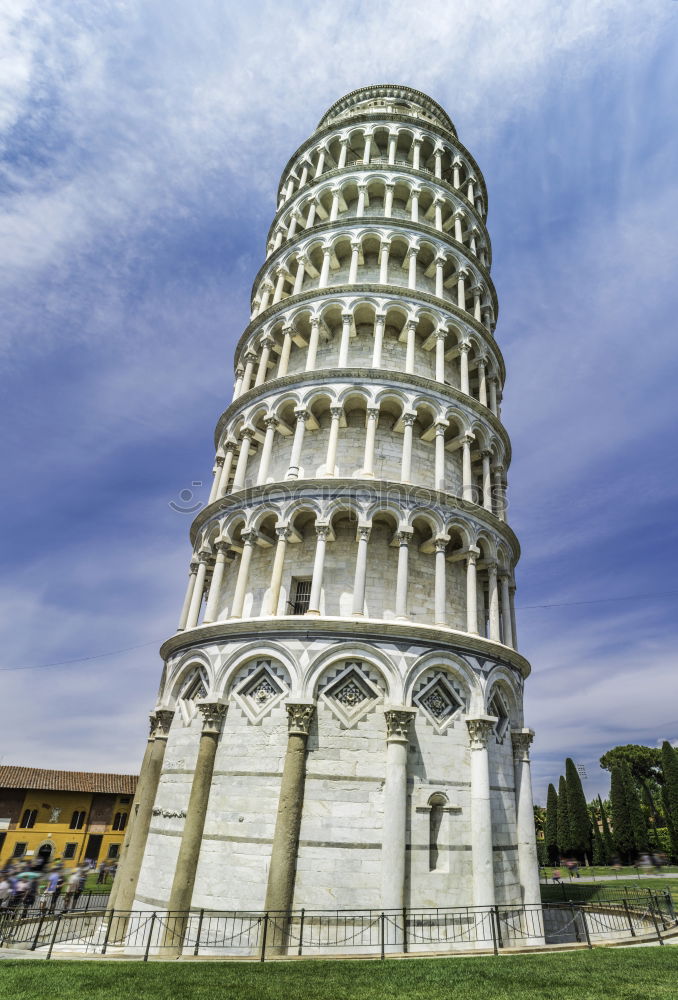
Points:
(66, 781)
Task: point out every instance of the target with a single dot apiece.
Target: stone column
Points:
(284, 361)
(493, 395)
(461, 292)
(325, 269)
(416, 154)
(126, 879)
(345, 336)
(362, 190)
(313, 344)
(494, 602)
(477, 294)
(466, 476)
(383, 263)
(463, 368)
(262, 371)
(198, 588)
(528, 863)
(482, 381)
(406, 463)
(295, 457)
(480, 731)
(237, 388)
(270, 424)
(243, 455)
(229, 450)
(279, 285)
(250, 358)
(379, 320)
(283, 534)
(183, 618)
(471, 593)
(411, 344)
(360, 571)
(388, 201)
(412, 267)
(458, 233)
(438, 213)
(507, 634)
(392, 140)
(181, 894)
(440, 355)
(342, 153)
(215, 585)
(394, 832)
(332, 441)
(243, 574)
(487, 479)
(440, 582)
(370, 435)
(415, 204)
(353, 268)
(402, 575)
(299, 276)
(218, 466)
(439, 474)
(499, 494)
(334, 210)
(285, 847)
(322, 531)
(455, 175)
(367, 149)
(512, 601)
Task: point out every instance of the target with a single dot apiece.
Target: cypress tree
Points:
(636, 818)
(622, 832)
(551, 828)
(670, 793)
(564, 835)
(598, 845)
(580, 825)
(607, 836)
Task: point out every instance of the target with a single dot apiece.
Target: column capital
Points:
(299, 717)
(404, 536)
(346, 317)
(336, 412)
(485, 453)
(163, 720)
(222, 545)
(440, 427)
(355, 246)
(463, 274)
(219, 461)
(213, 715)
(467, 438)
(408, 418)
(283, 531)
(267, 341)
(441, 543)
(322, 530)
(250, 356)
(247, 432)
(521, 740)
(301, 414)
(363, 531)
(398, 721)
(372, 412)
(472, 555)
(464, 347)
(271, 422)
(441, 334)
(480, 729)
(204, 555)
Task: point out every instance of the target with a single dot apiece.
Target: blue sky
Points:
(142, 146)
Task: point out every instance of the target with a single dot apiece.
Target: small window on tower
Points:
(301, 590)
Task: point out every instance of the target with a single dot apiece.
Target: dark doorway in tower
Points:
(301, 596)
(93, 847)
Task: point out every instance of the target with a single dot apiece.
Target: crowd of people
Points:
(647, 862)
(24, 888)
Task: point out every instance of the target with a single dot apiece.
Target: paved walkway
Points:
(567, 880)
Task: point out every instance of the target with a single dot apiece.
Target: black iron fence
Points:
(599, 892)
(146, 933)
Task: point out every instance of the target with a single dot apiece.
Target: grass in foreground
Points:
(635, 974)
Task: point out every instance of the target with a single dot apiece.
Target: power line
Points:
(157, 642)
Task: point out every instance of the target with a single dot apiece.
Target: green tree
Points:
(636, 817)
(622, 831)
(645, 764)
(670, 793)
(607, 836)
(598, 849)
(551, 827)
(564, 833)
(580, 825)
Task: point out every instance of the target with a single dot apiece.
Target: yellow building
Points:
(62, 815)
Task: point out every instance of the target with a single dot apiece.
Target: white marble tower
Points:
(340, 716)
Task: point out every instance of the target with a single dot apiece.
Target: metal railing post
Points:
(500, 940)
(301, 930)
(381, 935)
(37, 933)
(576, 925)
(108, 931)
(150, 935)
(669, 901)
(89, 896)
(586, 926)
(494, 932)
(197, 936)
(262, 957)
(404, 930)
(656, 925)
(629, 917)
(56, 931)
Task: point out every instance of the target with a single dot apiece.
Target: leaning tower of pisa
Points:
(340, 720)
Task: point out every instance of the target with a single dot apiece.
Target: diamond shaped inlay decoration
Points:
(194, 688)
(500, 711)
(439, 701)
(351, 695)
(259, 692)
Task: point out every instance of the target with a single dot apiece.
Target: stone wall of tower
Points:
(345, 683)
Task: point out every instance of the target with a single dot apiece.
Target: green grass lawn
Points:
(576, 889)
(623, 873)
(635, 974)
